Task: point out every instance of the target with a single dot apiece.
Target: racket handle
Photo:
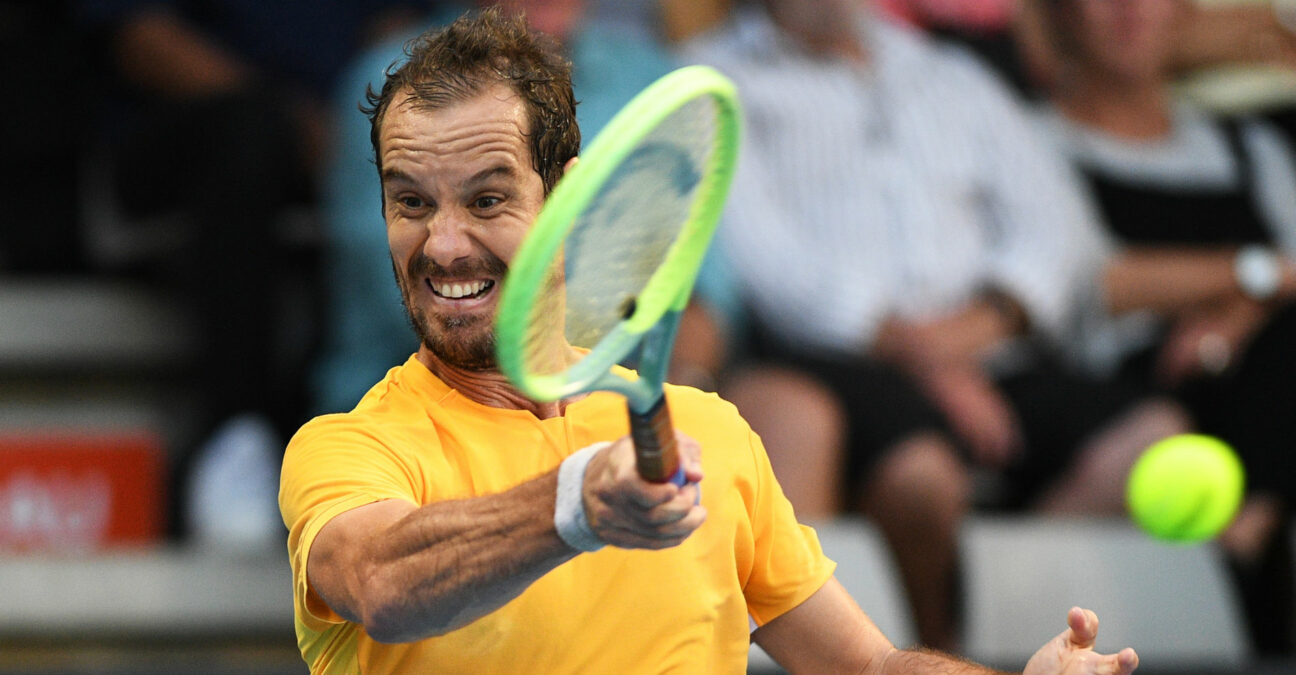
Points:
(654, 440)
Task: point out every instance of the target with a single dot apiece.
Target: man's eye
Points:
(411, 202)
(487, 202)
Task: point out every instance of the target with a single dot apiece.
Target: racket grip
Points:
(654, 439)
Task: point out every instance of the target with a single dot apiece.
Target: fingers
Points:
(628, 512)
(1126, 661)
(1084, 627)
(638, 509)
(1071, 652)
(665, 536)
(1083, 624)
(690, 455)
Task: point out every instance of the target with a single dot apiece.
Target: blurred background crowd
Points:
(978, 255)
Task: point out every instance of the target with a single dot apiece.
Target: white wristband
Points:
(569, 509)
(1258, 272)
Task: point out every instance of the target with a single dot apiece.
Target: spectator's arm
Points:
(957, 339)
(1171, 281)
(160, 52)
(700, 348)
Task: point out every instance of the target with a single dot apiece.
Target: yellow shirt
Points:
(683, 609)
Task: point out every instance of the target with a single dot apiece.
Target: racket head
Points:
(618, 244)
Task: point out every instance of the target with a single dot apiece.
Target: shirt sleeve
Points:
(332, 465)
(788, 565)
(1275, 174)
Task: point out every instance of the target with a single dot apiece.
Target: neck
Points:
(1136, 110)
(488, 387)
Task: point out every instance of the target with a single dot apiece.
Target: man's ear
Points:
(570, 163)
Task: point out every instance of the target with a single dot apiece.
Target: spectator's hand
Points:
(955, 340)
(1208, 341)
(945, 356)
(626, 511)
(1072, 653)
(977, 411)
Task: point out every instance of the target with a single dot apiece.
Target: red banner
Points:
(85, 491)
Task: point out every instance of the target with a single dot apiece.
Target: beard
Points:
(462, 341)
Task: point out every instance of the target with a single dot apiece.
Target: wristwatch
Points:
(1258, 271)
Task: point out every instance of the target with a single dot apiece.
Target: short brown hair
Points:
(468, 56)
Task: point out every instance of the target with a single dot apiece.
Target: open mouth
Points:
(460, 290)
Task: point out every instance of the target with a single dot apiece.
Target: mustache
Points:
(464, 268)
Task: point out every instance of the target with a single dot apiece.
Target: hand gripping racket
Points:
(610, 262)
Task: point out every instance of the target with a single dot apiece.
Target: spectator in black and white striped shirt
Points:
(903, 243)
(1200, 294)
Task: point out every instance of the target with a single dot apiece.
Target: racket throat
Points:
(654, 438)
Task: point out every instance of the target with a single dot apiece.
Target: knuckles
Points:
(627, 512)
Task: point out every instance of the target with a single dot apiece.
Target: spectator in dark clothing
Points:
(208, 146)
(1200, 296)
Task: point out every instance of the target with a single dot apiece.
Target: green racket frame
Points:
(658, 307)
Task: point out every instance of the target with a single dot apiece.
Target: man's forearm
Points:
(447, 564)
(923, 661)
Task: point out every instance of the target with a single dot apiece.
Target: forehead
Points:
(492, 122)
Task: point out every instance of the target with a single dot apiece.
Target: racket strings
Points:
(625, 235)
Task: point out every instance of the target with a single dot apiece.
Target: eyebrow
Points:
(390, 175)
(487, 174)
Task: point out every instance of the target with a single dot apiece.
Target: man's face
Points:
(1130, 40)
(460, 193)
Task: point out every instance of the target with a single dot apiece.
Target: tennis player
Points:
(448, 524)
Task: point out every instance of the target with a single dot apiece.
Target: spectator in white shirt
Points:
(904, 245)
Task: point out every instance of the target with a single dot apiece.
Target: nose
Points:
(449, 238)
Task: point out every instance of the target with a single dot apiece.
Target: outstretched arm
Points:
(829, 633)
(407, 572)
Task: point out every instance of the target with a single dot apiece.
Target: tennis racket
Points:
(606, 270)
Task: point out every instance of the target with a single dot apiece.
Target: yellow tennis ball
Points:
(1185, 488)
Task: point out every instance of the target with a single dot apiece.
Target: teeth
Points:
(460, 290)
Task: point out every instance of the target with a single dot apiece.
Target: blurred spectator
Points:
(613, 61)
(1202, 294)
(39, 45)
(1238, 53)
(988, 27)
(910, 253)
(684, 19)
(1241, 58)
(208, 141)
